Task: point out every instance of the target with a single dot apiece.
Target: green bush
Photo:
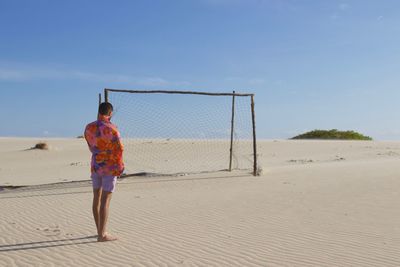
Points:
(333, 134)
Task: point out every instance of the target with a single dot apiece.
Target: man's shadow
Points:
(49, 244)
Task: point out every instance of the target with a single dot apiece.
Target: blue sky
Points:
(312, 64)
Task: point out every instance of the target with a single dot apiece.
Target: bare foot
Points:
(106, 237)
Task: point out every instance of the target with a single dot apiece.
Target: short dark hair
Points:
(105, 108)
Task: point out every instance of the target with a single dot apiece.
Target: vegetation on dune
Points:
(41, 146)
(333, 134)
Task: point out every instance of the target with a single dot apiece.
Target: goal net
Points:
(179, 132)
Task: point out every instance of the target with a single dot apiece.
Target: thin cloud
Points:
(256, 81)
(344, 6)
(232, 79)
(223, 2)
(7, 75)
(334, 16)
(29, 74)
(274, 4)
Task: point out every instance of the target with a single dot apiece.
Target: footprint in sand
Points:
(301, 161)
(339, 158)
(389, 153)
(49, 230)
(76, 164)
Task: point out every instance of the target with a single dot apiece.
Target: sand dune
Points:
(308, 209)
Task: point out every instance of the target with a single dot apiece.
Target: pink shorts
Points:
(107, 182)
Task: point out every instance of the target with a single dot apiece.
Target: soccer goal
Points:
(182, 132)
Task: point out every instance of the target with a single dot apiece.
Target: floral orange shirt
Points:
(104, 142)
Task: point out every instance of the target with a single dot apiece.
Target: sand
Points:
(318, 203)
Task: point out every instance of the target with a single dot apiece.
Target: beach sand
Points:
(317, 203)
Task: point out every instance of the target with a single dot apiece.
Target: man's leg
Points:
(104, 211)
(96, 207)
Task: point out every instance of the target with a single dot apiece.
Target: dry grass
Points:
(41, 146)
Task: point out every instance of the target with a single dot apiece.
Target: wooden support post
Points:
(106, 95)
(232, 130)
(253, 119)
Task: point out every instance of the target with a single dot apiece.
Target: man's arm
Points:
(87, 134)
(119, 148)
(118, 142)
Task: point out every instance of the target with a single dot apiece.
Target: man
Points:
(105, 144)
